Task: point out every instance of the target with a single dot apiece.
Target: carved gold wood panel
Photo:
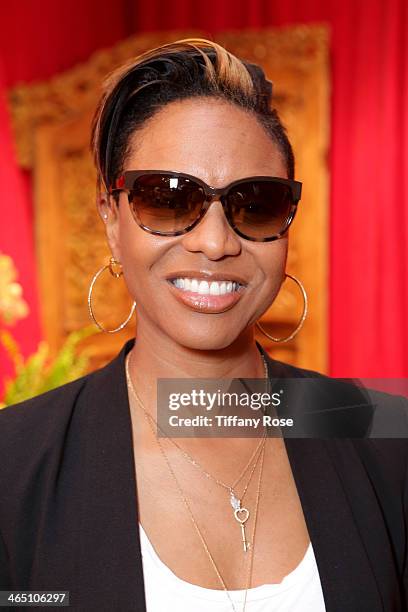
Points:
(52, 126)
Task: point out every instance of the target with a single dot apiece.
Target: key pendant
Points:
(242, 515)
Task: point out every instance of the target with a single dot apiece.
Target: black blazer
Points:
(68, 507)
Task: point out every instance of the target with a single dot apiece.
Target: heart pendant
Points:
(242, 515)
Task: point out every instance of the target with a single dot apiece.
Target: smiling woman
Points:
(218, 143)
(197, 193)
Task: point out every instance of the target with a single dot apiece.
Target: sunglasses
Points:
(260, 208)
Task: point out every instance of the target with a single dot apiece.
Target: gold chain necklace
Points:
(240, 513)
(150, 421)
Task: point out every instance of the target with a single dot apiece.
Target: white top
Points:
(299, 591)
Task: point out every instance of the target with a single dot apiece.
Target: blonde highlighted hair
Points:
(192, 67)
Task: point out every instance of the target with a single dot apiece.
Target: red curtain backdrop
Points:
(38, 40)
(368, 156)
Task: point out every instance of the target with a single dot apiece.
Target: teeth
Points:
(203, 287)
(214, 288)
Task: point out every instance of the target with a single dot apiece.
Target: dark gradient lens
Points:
(165, 203)
(260, 209)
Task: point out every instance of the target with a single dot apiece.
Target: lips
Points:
(206, 292)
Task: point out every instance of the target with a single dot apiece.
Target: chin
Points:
(205, 339)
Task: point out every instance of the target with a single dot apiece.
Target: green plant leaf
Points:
(38, 373)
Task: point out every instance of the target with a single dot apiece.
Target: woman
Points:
(93, 501)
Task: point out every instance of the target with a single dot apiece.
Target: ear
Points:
(108, 208)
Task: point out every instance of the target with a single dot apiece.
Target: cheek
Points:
(142, 257)
(271, 263)
(138, 250)
(274, 269)
(136, 245)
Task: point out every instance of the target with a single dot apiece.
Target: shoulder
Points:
(49, 410)
(40, 411)
(36, 432)
(384, 457)
(34, 436)
(281, 369)
(329, 407)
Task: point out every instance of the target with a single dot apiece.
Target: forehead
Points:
(208, 138)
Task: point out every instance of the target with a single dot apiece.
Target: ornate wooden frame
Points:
(51, 122)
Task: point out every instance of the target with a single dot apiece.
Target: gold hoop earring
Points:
(302, 318)
(116, 274)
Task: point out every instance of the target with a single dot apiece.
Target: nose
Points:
(213, 236)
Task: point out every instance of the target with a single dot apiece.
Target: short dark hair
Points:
(188, 68)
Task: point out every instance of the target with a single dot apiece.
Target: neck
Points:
(154, 356)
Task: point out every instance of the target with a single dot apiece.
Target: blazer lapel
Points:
(111, 576)
(328, 475)
(347, 580)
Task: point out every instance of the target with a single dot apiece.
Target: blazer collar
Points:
(110, 551)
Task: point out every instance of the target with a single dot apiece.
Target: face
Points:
(218, 143)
